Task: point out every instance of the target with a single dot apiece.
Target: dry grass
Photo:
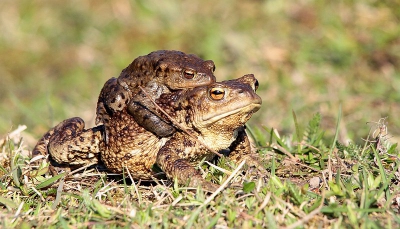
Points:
(345, 186)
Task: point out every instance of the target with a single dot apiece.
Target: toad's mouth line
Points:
(248, 108)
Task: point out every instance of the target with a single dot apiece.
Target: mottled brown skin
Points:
(215, 114)
(166, 69)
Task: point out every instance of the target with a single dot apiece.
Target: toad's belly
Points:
(136, 156)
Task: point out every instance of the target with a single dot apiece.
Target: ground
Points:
(311, 184)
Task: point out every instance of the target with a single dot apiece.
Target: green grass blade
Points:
(50, 181)
(8, 203)
(336, 132)
(278, 140)
(298, 132)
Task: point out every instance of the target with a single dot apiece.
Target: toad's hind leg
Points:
(69, 143)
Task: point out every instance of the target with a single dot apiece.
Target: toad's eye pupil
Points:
(189, 75)
(256, 85)
(217, 93)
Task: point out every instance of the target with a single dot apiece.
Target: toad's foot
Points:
(170, 160)
(241, 150)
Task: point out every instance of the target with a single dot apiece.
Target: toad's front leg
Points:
(146, 114)
(241, 150)
(69, 143)
(173, 159)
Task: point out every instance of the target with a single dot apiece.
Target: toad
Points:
(214, 114)
(165, 69)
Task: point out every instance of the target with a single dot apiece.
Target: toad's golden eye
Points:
(188, 74)
(217, 93)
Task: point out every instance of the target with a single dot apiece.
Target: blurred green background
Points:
(309, 56)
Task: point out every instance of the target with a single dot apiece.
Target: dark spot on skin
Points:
(180, 164)
(113, 100)
(127, 156)
(122, 95)
(188, 143)
(195, 129)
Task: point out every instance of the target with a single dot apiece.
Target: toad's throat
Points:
(251, 108)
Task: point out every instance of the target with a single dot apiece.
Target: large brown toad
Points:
(167, 70)
(214, 114)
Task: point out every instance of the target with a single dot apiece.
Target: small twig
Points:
(324, 179)
(164, 195)
(264, 203)
(134, 185)
(58, 196)
(308, 145)
(306, 166)
(249, 217)
(13, 133)
(38, 193)
(283, 150)
(80, 169)
(17, 212)
(210, 198)
(293, 158)
(309, 216)
(161, 183)
(330, 175)
(176, 201)
(218, 168)
(178, 124)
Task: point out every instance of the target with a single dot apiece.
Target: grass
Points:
(313, 183)
(311, 57)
